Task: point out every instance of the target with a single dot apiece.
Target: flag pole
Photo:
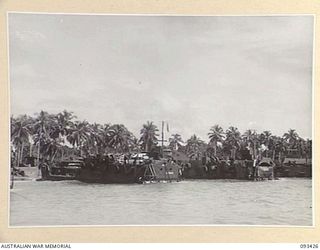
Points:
(162, 137)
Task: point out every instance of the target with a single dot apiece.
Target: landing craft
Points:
(265, 169)
(135, 168)
(144, 167)
(240, 169)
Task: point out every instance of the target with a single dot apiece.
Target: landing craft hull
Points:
(239, 170)
(61, 172)
(299, 170)
(113, 174)
(151, 172)
(166, 171)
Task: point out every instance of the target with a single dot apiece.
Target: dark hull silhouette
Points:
(66, 170)
(241, 170)
(113, 174)
(238, 169)
(102, 171)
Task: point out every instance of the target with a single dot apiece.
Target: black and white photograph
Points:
(160, 120)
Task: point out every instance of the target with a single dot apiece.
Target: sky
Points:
(191, 71)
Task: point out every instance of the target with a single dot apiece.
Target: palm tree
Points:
(119, 138)
(272, 146)
(233, 138)
(301, 146)
(280, 147)
(175, 141)
(64, 124)
(291, 137)
(134, 144)
(292, 140)
(51, 147)
(79, 135)
(149, 135)
(252, 139)
(193, 146)
(215, 136)
(63, 127)
(41, 128)
(20, 135)
(308, 149)
(267, 140)
(96, 137)
(267, 134)
(105, 137)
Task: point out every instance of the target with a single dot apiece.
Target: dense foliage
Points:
(55, 136)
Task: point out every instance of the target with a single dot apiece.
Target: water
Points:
(282, 202)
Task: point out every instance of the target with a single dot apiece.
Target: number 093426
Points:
(309, 246)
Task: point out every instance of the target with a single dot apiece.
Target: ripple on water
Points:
(283, 202)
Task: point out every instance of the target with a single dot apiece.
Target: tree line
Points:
(55, 136)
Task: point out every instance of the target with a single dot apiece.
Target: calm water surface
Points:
(281, 202)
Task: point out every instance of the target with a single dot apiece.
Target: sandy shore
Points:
(31, 173)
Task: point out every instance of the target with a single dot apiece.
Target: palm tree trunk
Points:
(21, 153)
(273, 154)
(279, 156)
(215, 148)
(30, 152)
(54, 155)
(38, 158)
(38, 154)
(18, 156)
(233, 152)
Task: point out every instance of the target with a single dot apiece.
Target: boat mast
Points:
(162, 137)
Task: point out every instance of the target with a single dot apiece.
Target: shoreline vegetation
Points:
(55, 137)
